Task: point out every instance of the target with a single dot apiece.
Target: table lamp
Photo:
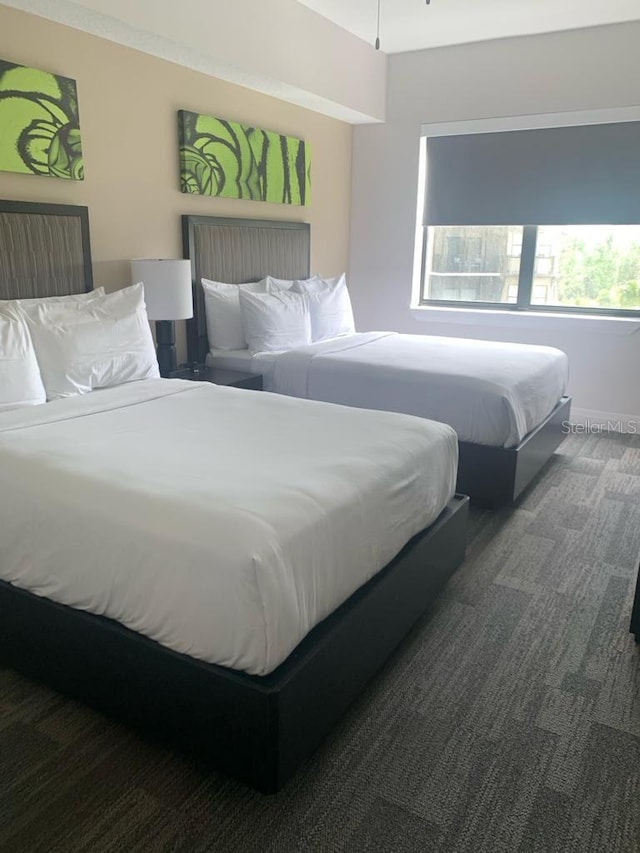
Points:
(168, 297)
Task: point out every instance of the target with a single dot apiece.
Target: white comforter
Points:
(490, 393)
(221, 522)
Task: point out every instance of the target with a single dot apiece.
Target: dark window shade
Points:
(587, 174)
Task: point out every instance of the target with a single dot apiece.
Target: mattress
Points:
(491, 393)
(221, 522)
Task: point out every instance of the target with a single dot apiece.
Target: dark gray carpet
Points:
(508, 721)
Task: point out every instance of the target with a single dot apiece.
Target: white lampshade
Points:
(167, 287)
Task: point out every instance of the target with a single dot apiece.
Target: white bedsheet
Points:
(237, 359)
(221, 522)
(490, 393)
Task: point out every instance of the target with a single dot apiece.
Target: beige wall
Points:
(128, 102)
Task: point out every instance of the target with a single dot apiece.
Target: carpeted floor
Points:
(508, 721)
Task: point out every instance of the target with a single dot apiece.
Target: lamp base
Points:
(166, 347)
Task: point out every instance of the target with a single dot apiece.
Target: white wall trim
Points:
(532, 122)
(416, 282)
(527, 320)
(593, 422)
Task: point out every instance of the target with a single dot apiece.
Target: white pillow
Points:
(72, 297)
(222, 312)
(222, 309)
(20, 380)
(275, 321)
(82, 346)
(281, 283)
(330, 306)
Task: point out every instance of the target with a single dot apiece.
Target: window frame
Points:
(525, 287)
(522, 121)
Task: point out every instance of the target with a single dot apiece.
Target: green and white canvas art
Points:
(39, 127)
(232, 160)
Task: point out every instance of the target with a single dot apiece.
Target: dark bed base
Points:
(257, 729)
(497, 476)
(635, 613)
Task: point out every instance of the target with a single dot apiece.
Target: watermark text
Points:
(588, 427)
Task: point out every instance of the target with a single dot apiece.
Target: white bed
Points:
(222, 523)
(505, 401)
(213, 525)
(491, 393)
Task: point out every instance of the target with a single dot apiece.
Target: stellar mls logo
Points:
(630, 427)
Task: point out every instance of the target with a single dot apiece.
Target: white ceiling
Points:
(412, 25)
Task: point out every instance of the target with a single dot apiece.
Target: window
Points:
(480, 269)
(595, 268)
(551, 186)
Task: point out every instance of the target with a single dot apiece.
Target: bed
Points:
(507, 402)
(328, 557)
(634, 627)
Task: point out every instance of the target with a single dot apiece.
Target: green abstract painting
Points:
(224, 158)
(39, 128)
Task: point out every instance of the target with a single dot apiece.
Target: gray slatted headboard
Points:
(237, 251)
(44, 250)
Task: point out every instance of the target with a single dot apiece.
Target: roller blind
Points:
(588, 174)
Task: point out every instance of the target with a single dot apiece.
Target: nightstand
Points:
(235, 378)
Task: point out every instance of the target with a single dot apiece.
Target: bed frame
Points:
(240, 250)
(634, 627)
(258, 729)
(497, 476)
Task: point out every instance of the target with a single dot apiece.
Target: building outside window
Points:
(579, 266)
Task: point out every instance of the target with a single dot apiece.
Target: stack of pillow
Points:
(273, 315)
(63, 346)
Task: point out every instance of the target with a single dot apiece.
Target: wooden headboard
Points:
(237, 251)
(44, 250)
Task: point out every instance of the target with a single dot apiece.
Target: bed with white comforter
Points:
(222, 523)
(490, 392)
